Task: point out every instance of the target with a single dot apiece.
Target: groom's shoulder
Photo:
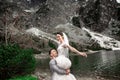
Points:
(52, 61)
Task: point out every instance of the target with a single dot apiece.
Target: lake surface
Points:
(102, 63)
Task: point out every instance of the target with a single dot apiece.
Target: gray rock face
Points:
(51, 16)
(98, 14)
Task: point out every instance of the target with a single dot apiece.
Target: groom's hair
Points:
(51, 50)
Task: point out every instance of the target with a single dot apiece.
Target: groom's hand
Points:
(67, 71)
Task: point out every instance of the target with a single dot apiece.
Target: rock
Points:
(50, 16)
(97, 14)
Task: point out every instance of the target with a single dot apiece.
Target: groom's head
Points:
(53, 53)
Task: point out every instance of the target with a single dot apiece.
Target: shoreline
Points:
(45, 74)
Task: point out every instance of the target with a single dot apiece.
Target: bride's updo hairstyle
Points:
(60, 33)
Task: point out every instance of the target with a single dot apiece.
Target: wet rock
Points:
(97, 14)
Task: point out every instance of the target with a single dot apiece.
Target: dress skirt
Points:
(63, 63)
(63, 77)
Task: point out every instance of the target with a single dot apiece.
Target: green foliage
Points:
(51, 45)
(74, 44)
(43, 10)
(115, 28)
(15, 61)
(28, 77)
(75, 21)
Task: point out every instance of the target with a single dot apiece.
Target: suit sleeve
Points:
(55, 68)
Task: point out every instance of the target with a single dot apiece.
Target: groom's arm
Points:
(55, 68)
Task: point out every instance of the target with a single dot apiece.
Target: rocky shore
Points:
(43, 73)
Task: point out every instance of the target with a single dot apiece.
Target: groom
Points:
(53, 65)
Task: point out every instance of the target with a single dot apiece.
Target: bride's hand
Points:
(83, 54)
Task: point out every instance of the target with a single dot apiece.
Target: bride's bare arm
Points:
(76, 51)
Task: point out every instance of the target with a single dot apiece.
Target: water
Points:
(104, 41)
(103, 63)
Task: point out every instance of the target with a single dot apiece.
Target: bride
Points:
(64, 47)
(63, 60)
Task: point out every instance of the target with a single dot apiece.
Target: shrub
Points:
(28, 77)
(51, 45)
(76, 21)
(15, 61)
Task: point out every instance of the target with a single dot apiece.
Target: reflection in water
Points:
(108, 57)
(102, 63)
(105, 63)
(110, 63)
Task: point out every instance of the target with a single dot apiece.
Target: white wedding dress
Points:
(63, 61)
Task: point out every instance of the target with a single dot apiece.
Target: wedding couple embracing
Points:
(60, 63)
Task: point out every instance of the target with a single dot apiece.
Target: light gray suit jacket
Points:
(55, 68)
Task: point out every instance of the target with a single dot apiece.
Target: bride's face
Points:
(59, 37)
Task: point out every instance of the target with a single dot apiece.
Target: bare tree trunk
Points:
(6, 31)
(6, 41)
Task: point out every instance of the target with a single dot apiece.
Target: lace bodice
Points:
(62, 50)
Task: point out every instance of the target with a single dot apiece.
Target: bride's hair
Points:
(60, 33)
(64, 37)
